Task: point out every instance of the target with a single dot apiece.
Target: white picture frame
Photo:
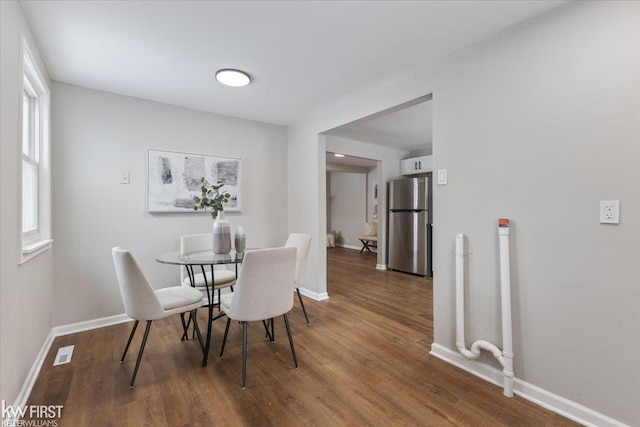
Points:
(174, 178)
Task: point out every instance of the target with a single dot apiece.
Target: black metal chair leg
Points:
(144, 342)
(302, 305)
(185, 328)
(293, 350)
(244, 354)
(267, 332)
(224, 339)
(196, 328)
(193, 334)
(133, 331)
(271, 334)
(209, 327)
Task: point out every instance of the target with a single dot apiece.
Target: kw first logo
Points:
(41, 415)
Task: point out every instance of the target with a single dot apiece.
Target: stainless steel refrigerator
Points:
(410, 225)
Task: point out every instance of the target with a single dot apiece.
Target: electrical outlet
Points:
(609, 211)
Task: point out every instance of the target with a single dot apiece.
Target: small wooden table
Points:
(368, 242)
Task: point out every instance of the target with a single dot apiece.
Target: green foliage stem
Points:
(211, 198)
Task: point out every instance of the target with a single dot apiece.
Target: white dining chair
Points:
(222, 277)
(302, 242)
(142, 302)
(262, 292)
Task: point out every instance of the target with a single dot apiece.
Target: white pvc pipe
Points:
(460, 342)
(505, 357)
(505, 298)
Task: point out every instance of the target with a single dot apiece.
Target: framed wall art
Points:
(174, 178)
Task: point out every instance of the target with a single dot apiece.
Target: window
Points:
(35, 200)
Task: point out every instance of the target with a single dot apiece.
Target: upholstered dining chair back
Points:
(263, 288)
(302, 242)
(224, 277)
(192, 243)
(140, 301)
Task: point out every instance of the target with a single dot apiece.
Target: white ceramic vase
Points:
(221, 235)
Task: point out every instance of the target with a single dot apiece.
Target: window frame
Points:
(33, 86)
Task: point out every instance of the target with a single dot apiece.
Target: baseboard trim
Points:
(88, 325)
(558, 404)
(30, 381)
(381, 266)
(342, 245)
(58, 331)
(313, 295)
(355, 248)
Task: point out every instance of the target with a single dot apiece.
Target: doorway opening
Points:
(386, 138)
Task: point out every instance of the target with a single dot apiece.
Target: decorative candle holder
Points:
(240, 240)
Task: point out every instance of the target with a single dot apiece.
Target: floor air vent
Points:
(63, 356)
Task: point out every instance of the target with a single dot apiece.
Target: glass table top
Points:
(207, 257)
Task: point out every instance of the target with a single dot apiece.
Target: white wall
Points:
(419, 153)
(25, 290)
(348, 207)
(539, 125)
(306, 172)
(388, 168)
(547, 114)
(372, 204)
(100, 135)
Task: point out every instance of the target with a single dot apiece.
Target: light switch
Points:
(442, 177)
(124, 178)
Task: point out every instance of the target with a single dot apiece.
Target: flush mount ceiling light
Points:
(233, 78)
(338, 155)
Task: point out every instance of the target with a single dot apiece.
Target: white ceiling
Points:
(302, 55)
(350, 161)
(407, 129)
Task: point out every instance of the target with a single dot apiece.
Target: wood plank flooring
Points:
(364, 361)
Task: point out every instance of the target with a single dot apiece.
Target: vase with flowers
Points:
(212, 199)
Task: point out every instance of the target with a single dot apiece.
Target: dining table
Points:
(198, 260)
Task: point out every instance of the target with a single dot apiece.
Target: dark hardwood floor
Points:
(364, 361)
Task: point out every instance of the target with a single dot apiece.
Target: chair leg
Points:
(293, 350)
(133, 331)
(302, 305)
(209, 327)
(224, 339)
(268, 334)
(244, 354)
(185, 328)
(144, 342)
(193, 334)
(196, 328)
